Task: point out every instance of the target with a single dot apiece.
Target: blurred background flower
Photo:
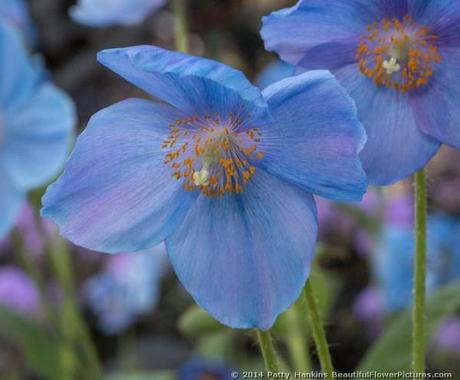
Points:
(101, 13)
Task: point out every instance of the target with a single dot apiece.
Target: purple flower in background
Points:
(398, 59)
(369, 308)
(221, 171)
(447, 336)
(199, 369)
(17, 13)
(101, 13)
(36, 121)
(17, 291)
(127, 288)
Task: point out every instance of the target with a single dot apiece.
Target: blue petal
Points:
(17, 13)
(100, 13)
(437, 105)
(246, 258)
(197, 86)
(11, 201)
(396, 147)
(314, 137)
(116, 194)
(38, 136)
(441, 16)
(17, 71)
(295, 31)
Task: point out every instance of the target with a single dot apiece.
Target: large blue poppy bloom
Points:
(399, 60)
(101, 13)
(36, 122)
(222, 171)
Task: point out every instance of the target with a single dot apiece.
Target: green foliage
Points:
(392, 351)
(28, 336)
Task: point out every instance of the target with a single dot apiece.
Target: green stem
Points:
(268, 352)
(418, 309)
(73, 324)
(297, 338)
(318, 331)
(180, 25)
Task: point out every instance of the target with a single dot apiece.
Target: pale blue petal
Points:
(38, 137)
(18, 74)
(196, 86)
(245, 258)
(396, 147)
(293, 32)
(116, 194)
(314, 137)
(441, 16)
(437, 105)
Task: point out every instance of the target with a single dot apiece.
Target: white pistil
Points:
(391, 66)
(201, 178)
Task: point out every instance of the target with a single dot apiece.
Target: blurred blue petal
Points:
(246, 258)
(126, 289)
(273, 73)
(314, 137)
(17, 13)
(36, 121)
(394, 259)
(102, 13)
(38, 137)
(18, 73)
(116, 194)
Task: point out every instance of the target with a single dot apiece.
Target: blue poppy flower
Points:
(393, 264)
(17, 13)
(36, 121)
(220, 170)
(101, 13)
(126, 289)
(398, 59)
(273, 73)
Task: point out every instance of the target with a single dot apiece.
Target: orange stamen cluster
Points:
(226, 150)
(402, 42)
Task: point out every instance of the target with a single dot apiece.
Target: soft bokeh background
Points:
(141, 319)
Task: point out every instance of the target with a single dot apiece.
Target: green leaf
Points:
(392, 351)
(40, 351)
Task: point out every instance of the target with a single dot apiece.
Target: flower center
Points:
(398, 54)
(212, 155)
